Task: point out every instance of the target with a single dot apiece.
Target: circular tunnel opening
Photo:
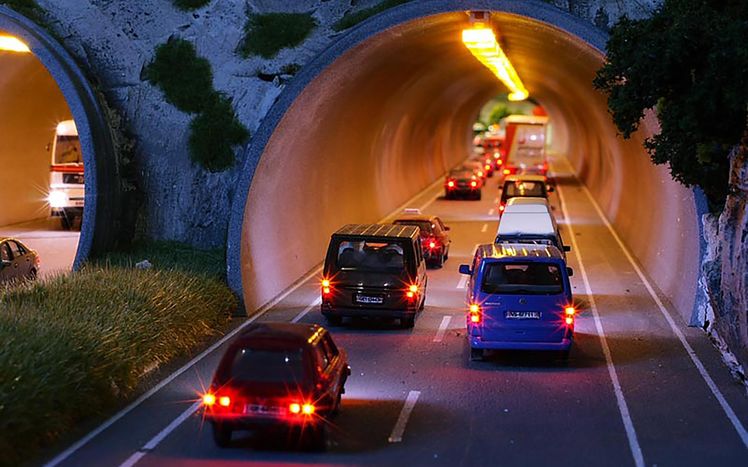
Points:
(42, 181)
(390, 107)
(60, 181)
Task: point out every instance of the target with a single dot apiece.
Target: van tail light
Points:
(569, 313)
(325, 287)
(209, 400)
(475, 314)
(412, 291)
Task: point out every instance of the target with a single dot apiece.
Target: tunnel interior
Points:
(393, 113)
(390, 115)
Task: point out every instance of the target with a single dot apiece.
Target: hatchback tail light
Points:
(297, 408)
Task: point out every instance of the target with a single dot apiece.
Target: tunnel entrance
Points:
(52, 128)
(42, 181)
(388, 108)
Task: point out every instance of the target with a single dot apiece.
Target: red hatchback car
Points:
(277, 376)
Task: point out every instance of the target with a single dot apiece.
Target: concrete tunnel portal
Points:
(38, 89)
(388, 108)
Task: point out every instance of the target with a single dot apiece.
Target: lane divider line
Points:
(410, 402)
(623, 407)
(491, 212)
(119, 415)
(442, 328)
(306, 310)
(496, 200)
(156, 440)
(729, 412)
(484, 228)
(462, 282)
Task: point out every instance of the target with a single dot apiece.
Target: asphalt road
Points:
(56, 247)
(633, 392)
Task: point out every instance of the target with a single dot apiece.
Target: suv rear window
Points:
(371, 256)
(522, 278)
(518, 189)
(268, 366)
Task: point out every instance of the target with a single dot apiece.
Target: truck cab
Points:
(66, 187)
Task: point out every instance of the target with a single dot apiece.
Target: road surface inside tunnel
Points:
(641, 401)
(56, 247)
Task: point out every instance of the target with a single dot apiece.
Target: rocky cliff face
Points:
(115, 39)
(724, 281)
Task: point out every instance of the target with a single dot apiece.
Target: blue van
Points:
(519, 297)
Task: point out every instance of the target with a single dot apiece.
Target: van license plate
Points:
(370, 299)
(522, 315)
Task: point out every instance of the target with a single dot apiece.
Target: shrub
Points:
(187, 5)
(187, 82)
(266, 34)
(185, 78)
(78, 344)
(688, 61)
(351, 19)
(214, 133)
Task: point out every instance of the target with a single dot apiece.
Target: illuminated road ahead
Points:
(643, 402)
(56, 247)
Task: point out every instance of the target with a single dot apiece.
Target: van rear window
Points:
(522, 278)
(373, 256)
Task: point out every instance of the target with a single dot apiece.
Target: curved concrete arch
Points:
(100, 217)
(418, 91)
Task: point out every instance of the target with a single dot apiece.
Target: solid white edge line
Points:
(442, 328)
(95, 432)
(729, 412)
(623, 408)
(410, 402)
(306, 310)
(156, 440)
(484, 228)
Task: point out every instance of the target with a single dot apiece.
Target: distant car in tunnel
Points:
(435, 240)
(477, 164)
(463, 182)
(19, 262)
(519, 298)
(277, 376)
(374, 271)
(66, 180)
(534, 186)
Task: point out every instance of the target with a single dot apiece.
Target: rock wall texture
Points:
(724, 282)
(115, 39)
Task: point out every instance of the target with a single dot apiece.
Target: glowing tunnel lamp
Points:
(481, 42)
(13, 44)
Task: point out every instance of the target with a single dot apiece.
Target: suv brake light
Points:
(474, 314)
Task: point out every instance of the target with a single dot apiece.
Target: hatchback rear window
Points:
(268, 366)
(372, 256)
(522, 278)
(518, 189)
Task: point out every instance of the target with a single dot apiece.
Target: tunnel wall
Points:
(32, 105)
(314, 139)
(101, 224)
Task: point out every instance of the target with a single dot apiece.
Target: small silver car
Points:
(18, 262)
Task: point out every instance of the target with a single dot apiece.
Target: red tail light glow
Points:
(501, 208)
(569, 311)
(488, 167)
(451, 184)
(209, 399)
(325, 286)
(474, 313)
(296, 408)
(499, 162)
(473, 184)
(432, 244)
(224, 401)
(507, 171)
(412, 291)
(480, 173)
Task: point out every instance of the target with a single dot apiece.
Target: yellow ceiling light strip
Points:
(13, 44)
(481, 42)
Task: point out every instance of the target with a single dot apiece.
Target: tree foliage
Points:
(688, 62)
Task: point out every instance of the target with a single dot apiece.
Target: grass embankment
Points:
(267, 34)
(351, 19)
(77, 345)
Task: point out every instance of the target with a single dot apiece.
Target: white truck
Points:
(525, 140)
(66, 188)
